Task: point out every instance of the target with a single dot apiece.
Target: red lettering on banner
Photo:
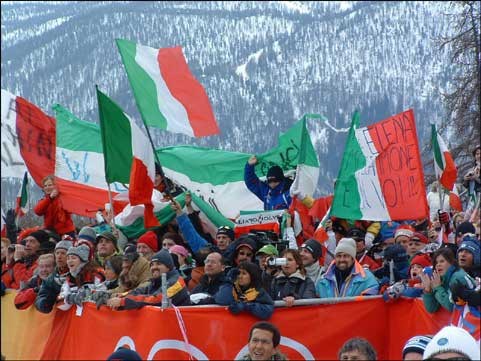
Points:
(36, 137)
(400, 170)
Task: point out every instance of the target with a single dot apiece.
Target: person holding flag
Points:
(274, 192)
(55, 216)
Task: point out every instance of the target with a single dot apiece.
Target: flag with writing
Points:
(167, 94)
(65, 146)
(444, 166)
(22, 198)
(381, 174)
(124, 144)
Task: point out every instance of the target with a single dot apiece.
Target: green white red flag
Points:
(381, 174)
(167, 94)
(22, 198)
(444, 166)
(125, 144)
(67, 147)
(454, 200)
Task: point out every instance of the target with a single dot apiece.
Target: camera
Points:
(277, 261)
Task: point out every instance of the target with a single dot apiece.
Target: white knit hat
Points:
(452, 339)
(346, 245)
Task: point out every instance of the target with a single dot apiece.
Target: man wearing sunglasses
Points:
(274, 192)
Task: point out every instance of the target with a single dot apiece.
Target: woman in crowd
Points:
(292, 283)
(51, 207)
(246, 293)
(445, 274)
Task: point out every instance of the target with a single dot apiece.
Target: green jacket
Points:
(440, 296)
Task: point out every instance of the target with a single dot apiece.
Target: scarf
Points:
(247, 295)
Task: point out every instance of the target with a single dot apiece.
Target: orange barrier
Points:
(309, 332)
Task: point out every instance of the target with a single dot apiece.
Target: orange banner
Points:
(308, 332)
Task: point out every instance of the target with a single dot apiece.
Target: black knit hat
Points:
(395, 252)
(275, 172)
(465, 227)
(356, 233)
(314, 247)
(41, 236)
(164, 257)
(228, 231)
(124, 354)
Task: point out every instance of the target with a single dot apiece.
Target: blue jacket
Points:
(277, 198)
(262, 307)
(193, 238)
(360, 282)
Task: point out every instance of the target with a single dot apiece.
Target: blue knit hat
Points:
(124, 354)
(472, 245)
(164, 257)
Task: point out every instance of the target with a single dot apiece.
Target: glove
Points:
(100, 298)
(459, 292)
(443, 217)
(11, 226)
(369, 239)
(396, 290)
(236, 307)
(75, 297)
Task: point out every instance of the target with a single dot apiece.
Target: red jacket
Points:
(55, 216)
(21, 271)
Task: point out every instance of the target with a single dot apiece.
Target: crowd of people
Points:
(436, 259)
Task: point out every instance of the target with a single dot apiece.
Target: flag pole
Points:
(111, 210)
(167, 189)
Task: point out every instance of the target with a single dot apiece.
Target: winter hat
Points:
(421, 259)
(109, 236)
(64, 245)
(416, 344)
(25, 298)
(418, 236)
(87, 233)
(150, 239)
(164, 257)
(245, 241)
(41, 236)
(356, 233)
(130, 253)
(124, 354)
(346, 245)
(314, 247)
(395, 252)
(179, 249)
(275, 172)
(452, 339)
(404, 230)
(228, 231)
(269, 250)
(81, 252)
(472, 245)
(115, 264)
(465, 227)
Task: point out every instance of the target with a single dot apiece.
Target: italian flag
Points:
(444, 166)
(65, 146)
(381, 174)
(125, 145)
(167, 94)
(22, 198)
(454, 200)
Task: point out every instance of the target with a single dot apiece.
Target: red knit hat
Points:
(422, 259)
(404, 230)
(421, 237)
(150, 239)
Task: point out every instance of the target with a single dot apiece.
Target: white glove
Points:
(297, 193)
(368, 239)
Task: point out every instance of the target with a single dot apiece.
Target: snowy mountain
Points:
(263, 64)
